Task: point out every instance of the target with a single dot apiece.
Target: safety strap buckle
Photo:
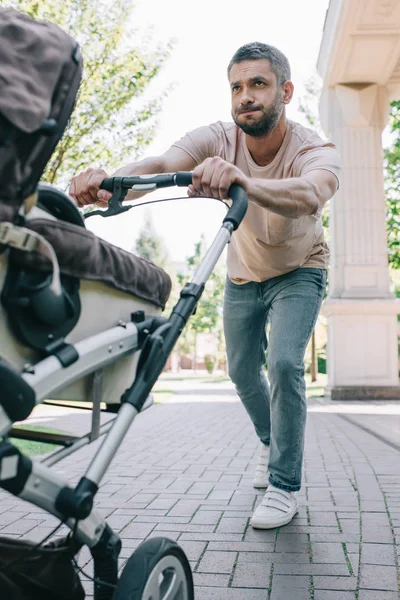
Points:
(18, 237)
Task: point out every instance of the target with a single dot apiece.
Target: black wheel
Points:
(157, 570)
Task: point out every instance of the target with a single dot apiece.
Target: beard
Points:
(266, 123)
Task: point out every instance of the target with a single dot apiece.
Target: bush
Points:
(209, 362)
(322, 365)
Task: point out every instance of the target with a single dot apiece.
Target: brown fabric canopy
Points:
(30, 67)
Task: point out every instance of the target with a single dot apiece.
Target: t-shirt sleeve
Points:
(324, 157)
(201, 143)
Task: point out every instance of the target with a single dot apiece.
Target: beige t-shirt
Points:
(266, 244)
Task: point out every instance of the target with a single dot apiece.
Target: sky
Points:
(206, 34)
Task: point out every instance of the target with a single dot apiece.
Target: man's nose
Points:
(247, 97)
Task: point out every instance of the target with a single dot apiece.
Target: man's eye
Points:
(235, 88)
(259, 83)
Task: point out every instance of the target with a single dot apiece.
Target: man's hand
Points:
(85, 188)
(214, 177)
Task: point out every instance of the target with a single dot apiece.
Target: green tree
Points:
(208, 316)
(392, 187)
(151, 245)
(112, 117)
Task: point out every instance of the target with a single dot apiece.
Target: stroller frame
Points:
(35, 482)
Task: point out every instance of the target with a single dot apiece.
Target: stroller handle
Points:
(119, 187)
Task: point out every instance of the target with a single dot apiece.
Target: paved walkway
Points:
(185, 470)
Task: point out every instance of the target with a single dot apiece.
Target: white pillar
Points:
(361, 310)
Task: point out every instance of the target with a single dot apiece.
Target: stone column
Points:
(361, 309)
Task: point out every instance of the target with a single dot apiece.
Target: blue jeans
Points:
(290, 303)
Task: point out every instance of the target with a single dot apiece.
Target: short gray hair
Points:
(257, 51)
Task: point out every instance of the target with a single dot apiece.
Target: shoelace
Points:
(277, 499)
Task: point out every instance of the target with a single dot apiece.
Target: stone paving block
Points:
(252, 575)
(301, 594)
(137, 530)
(206, 517)
(193, 550)
(290, 583)
(217, 562)
(376, 595)
(162, 503)
(212, 537)
(220, 495)
(8, 518)
(247, 556)
(319, 494)
(325, 520)
(210, 579)
(377, 554)
(232, 525)
(244, 500)
(172, 535)
(288, 542)
(260, 535)
(310, 569)
(200, 487)
(184, 508)
(333, 595)
(20, 527)
(205, 593)
(327, 553)
(354, 560)
(186, 527)
(378, 577)
(376, 528)
(334, 537)
(351, 526)
(252, 548)
(335, 583)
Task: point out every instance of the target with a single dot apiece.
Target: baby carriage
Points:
(53, 275)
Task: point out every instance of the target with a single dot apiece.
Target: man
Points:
(277, 259)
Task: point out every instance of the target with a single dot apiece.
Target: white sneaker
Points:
(277, 508)
(261, 476)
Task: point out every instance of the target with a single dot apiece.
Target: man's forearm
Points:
(292, 198)
(147, 166)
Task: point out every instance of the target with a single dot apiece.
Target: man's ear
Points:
(287, 89)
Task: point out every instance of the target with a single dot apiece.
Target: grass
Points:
(30, 448)
(161, 395)
(316, 389)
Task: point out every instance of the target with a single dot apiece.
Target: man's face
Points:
(257, 101)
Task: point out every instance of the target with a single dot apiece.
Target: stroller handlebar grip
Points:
(239, 205)
(183, 178)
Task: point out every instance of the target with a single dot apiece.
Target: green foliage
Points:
(392, 187)
(209, 308)
(111, 122)
(210, 361)
(150, 244)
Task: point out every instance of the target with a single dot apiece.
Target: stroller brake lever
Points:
(115, 205)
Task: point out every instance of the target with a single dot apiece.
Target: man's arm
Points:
(292, 198)
(85, 187)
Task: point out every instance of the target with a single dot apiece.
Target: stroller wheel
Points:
(157, 570)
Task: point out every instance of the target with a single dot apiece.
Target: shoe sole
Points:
(262, 525)
(259, 486)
